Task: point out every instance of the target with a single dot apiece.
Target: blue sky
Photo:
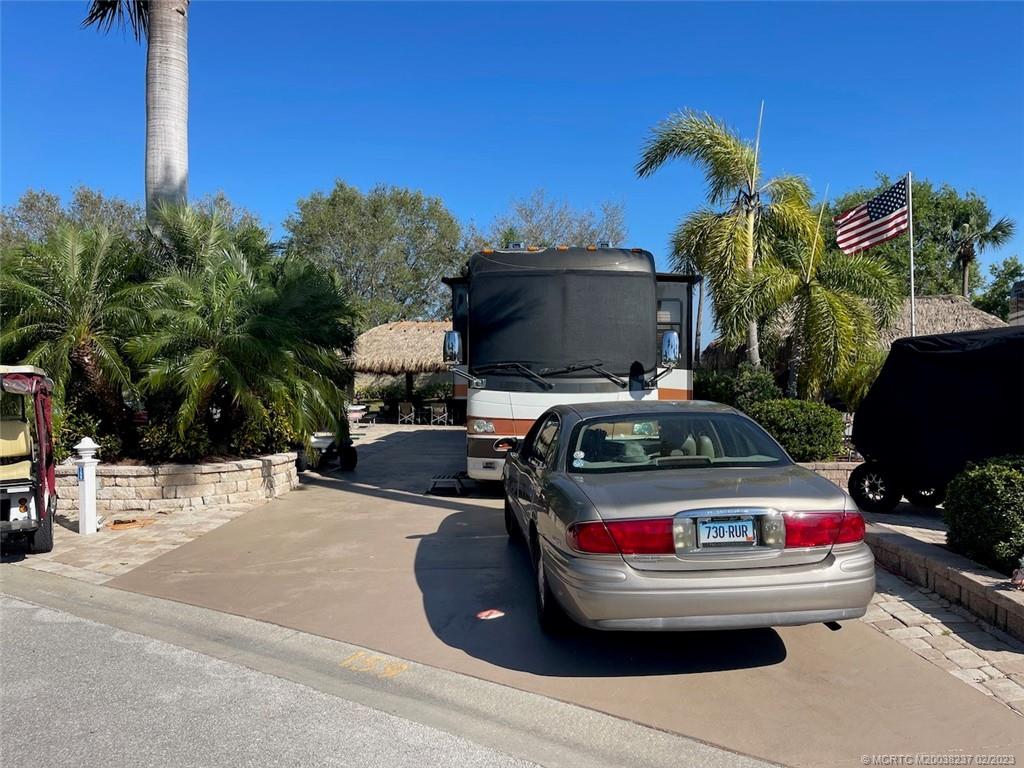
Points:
(481, 103)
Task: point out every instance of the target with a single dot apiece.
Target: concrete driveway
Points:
(371, 561)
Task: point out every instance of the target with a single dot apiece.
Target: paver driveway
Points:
(369, 560)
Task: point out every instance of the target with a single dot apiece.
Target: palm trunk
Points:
(966, 276)
(700, 321)
(753, 344)
(167, 103)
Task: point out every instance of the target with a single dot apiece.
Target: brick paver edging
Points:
(985, 593)
(169, 487)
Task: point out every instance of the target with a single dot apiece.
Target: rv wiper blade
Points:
(514, 366)
(588, 365)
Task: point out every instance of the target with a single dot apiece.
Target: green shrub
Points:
(717, 386)
(270, 432)
(74, 423)
(984, 511)
(754, 385)
(741, 388)
(161, 442)
(808, 431)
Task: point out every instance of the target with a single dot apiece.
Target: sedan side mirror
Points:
(506, 444)
(452, 353)
(670, 349)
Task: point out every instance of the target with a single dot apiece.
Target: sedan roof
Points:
(626, 408)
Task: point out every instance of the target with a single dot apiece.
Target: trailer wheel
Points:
(927, 497)
(349, 458)
(41, 541)
(874, 488)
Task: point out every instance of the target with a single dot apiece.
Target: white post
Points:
(86, 463)
(910, 218)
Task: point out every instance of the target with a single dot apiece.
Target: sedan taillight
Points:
(629, 537)
(823, 529)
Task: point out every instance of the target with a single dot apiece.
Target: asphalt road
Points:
(80, 693)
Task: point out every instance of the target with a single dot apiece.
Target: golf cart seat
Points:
(15, 443)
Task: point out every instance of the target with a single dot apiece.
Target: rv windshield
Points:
(551, 319)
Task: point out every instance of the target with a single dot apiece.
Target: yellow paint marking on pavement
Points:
(375, 665)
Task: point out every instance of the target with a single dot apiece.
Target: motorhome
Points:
(536, 327)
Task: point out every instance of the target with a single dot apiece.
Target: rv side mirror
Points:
(452, 347)
(670, 349)
(506, 444)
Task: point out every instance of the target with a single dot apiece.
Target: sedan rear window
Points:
(671, 441)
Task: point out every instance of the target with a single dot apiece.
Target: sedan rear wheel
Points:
(874, 488)
(550, 615)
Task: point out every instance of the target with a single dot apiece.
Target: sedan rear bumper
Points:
(604, 594)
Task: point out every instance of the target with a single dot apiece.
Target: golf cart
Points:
(938, 403)
(28, 497)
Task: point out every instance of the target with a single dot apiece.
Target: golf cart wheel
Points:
(348, 458)
(511, 526)
(41, 541)
(874, 488)
(927, 497)
(550, 616)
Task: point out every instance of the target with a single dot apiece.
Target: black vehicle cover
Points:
(942, 401)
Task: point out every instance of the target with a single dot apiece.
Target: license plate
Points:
(713, 532)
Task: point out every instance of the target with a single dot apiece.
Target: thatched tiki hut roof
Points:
(408, 346)
(935, 314)
(940, 314)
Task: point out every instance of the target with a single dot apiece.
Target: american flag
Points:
(879, 219)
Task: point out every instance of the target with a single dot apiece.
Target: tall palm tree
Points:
(164, 24)
(971, 236)
(68, 304)
(832, 305)
(746, 216)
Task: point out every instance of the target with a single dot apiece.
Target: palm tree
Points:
(969, 237)
(164, 23)
(832, 304)
(238, 333)
(746, 217)
(67, 306)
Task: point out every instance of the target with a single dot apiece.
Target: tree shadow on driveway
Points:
(469, 566)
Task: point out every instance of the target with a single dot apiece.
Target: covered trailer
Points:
(939, 402)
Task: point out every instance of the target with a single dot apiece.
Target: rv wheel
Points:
(927, 497)
(874, 488)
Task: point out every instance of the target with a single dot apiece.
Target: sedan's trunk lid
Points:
(759, 494)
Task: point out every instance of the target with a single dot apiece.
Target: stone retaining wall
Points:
(166, 487)
(982, 591)
(836, 471)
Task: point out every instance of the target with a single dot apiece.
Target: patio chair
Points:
(439, 414)
(406, 413)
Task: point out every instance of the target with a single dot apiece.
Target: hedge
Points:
(808, 431)
(741, 388)
(984, 512)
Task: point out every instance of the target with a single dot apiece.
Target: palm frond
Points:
(107, 14)
(727, 161)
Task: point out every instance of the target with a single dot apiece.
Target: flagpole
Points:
(910, 216)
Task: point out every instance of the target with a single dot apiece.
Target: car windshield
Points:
(671, 441)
